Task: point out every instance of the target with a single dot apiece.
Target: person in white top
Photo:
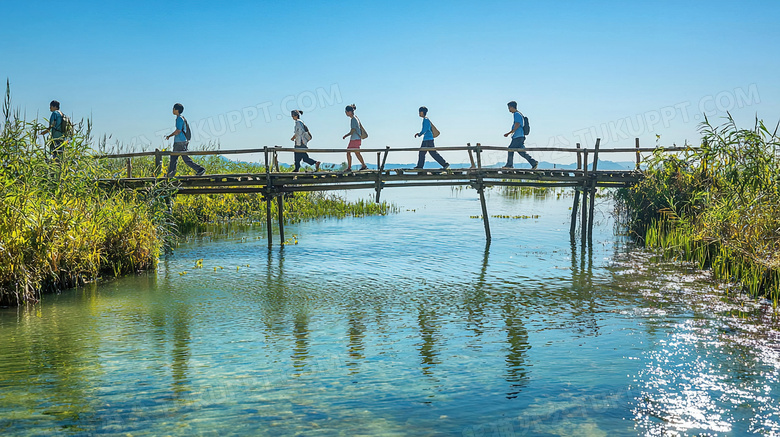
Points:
(301, 138)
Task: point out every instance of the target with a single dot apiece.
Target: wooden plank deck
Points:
(339, 181)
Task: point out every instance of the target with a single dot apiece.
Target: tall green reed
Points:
(57, 227)
(715, 205)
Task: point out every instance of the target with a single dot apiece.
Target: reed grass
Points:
(715, 205)
(57, 228)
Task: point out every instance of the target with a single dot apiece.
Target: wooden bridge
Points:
(274, 184)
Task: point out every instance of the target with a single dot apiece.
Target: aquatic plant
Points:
(715, 205)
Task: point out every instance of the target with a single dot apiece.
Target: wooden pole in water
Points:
(280, 207)
(129, 167)
(378, 185)
(638, 157)
(481, 191)
(268, 227)
(381, 169)
(593, 189)
(584, 220)
(576, 204)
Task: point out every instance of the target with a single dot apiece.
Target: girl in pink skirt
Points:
(354, 138)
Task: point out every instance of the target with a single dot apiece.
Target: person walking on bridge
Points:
(301, 136)
(427, 134)
(181, 139)
(355, 138)
(518, 138)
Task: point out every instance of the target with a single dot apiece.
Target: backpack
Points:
(186, 129)
(526, 126)
(307, 134)
(363, 133)
(66, 126)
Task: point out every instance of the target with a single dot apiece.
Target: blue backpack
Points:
(186, 129)
(526, 125)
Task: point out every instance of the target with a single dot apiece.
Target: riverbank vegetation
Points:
(59, 228)
(716, 205)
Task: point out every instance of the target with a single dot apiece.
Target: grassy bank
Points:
(716, 205)
(58, 229)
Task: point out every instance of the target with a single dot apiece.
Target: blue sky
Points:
(579, 70)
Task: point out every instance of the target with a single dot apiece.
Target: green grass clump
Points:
(715, 205)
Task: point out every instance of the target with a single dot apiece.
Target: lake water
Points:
(398, 325)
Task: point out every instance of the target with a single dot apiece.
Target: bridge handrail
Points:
(389, 149)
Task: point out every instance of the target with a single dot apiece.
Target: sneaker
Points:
(317, 166)
(535, 165)
(363, 167)
(201, 172)
(507, 167)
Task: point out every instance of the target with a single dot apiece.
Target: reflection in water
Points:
(181, 350)
(475, 298)
(427, 321)
(582, 272)
(356, 332)
(583, 293)
(171, 322)
(518, 345)
(301, 347)
(273, 301)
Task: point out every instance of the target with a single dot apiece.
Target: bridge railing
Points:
(271, 153)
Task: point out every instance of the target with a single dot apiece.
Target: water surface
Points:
(398, 325)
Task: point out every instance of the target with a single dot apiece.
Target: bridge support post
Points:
(268, 223)
(576, 204)
(280, 210)
(593, 190)
(481, 191)
(584, 220)
(268, 198)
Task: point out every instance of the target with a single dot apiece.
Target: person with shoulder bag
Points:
(356, 136)
(301, 137)
(428, 132)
